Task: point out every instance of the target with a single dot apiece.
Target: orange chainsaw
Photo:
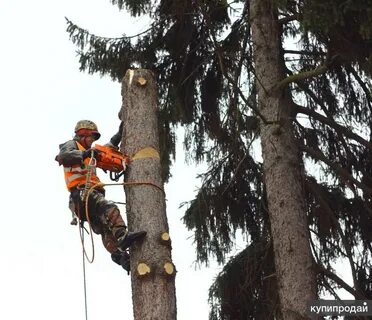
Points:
(111, 159)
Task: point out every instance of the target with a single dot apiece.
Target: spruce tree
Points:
(212, 81)
(152, 269)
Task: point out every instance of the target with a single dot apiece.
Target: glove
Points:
(88, 154)
(111, 145)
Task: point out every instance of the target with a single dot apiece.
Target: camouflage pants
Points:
(103, 214)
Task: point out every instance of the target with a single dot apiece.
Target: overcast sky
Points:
(42, 96)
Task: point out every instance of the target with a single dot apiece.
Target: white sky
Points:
(42, 96)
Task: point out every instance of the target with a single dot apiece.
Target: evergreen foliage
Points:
(247, 286)
(200, 51)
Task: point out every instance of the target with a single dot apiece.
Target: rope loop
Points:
(86, 194)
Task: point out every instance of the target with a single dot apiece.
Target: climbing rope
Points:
(88, 189)
(85, 196)
(98, 185)
(85, 281)
(91, 167)
(82, 229)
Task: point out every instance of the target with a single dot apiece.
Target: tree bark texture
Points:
(283, 167)
(152, 270)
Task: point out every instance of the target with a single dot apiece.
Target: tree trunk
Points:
(152, 270)
(282, 166)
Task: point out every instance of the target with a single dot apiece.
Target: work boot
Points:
(125, 261)
(122, 259)
(118, 228)
(126, 240)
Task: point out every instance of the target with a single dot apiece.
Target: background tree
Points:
(209, 82)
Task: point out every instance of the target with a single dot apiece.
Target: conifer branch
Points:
(333, 124)
(346, 244)
(242, 51)
(229, 78)
(334, 246)
(318, 262)
(239, 165)
(363, 85)
(331, 275)
(304, 52)
(72, 26)
(349, 254)
(302, 76)
(342, 173)
(287, 19)
(328, 286)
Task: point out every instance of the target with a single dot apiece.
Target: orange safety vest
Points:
(75, 175)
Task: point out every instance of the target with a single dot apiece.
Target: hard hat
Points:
(86, 126)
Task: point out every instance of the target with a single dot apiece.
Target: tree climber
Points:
(75, 156)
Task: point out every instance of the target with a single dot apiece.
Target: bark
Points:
(282, 166)
(153, 282)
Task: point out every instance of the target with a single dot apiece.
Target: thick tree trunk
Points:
(152, 270)
(282, 167)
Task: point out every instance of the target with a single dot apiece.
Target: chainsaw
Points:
(111, 159)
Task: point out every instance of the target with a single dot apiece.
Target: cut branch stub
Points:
(165, 239)
(143, 269)
(169, 269)
(141, 81)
